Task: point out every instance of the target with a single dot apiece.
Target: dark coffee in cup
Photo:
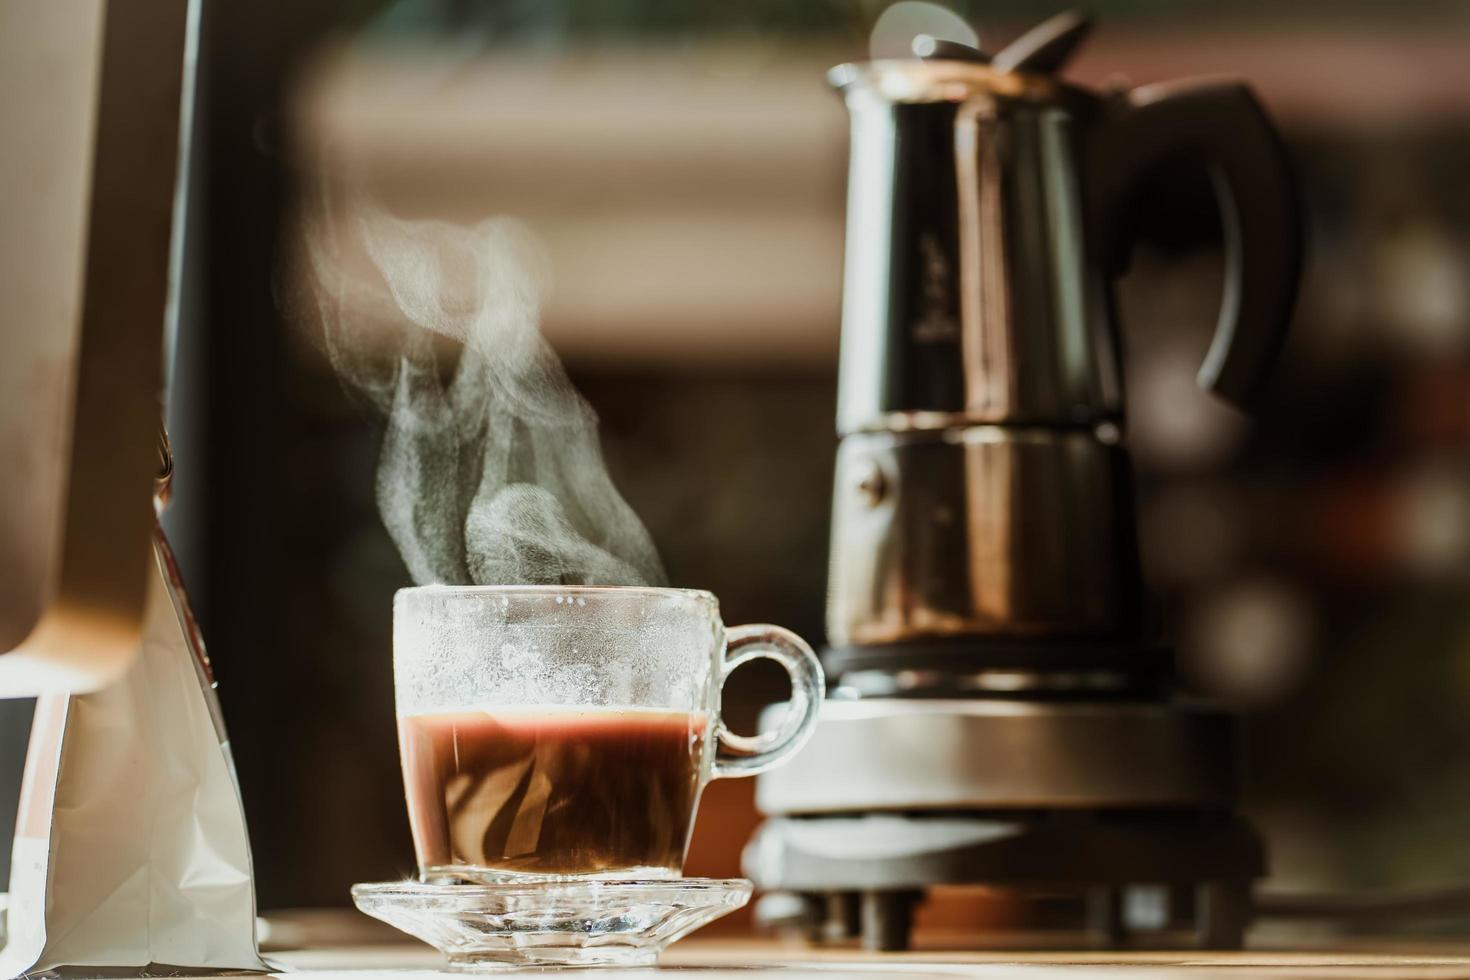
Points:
(551, 790)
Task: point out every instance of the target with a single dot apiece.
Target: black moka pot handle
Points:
(1223, 125)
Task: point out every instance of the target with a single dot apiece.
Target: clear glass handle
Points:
(746, 755)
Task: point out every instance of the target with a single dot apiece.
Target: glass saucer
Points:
(558, 922)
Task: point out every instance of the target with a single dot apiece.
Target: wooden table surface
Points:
(752, 959)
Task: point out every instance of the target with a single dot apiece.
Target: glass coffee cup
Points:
(568, 731)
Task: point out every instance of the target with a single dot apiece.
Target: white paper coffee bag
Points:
(130, 844)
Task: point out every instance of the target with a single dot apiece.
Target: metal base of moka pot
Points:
(1122, 804)
(838, 894)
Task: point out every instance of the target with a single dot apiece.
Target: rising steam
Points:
(491, 470)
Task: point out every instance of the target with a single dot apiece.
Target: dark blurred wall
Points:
(1313, 565)
(290, 564)
(258, 537)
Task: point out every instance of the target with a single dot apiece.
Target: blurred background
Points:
(684, 165)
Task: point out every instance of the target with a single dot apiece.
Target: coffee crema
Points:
(551, 790)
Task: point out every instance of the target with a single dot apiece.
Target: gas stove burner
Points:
(1101, 800)
(1178, 877)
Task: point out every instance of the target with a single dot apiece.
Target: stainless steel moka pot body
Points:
(983, 491)
(1004, 712)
